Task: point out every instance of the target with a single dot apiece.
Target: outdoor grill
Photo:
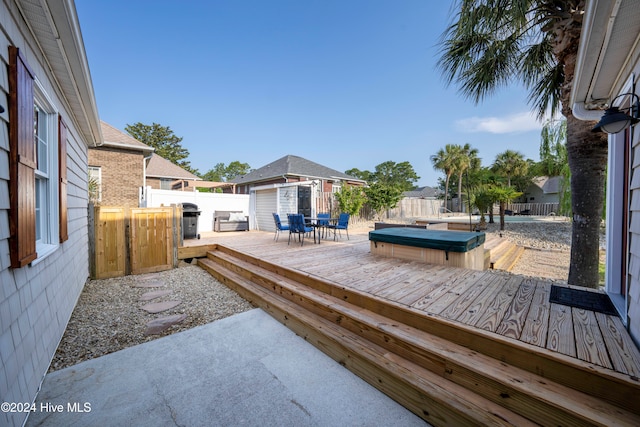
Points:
(190, 214)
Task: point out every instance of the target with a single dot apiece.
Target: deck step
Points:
(433, 398)
(504, 254)
(372, 326)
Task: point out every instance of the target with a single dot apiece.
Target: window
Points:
(46, 172)
(166, 184)
(95, 184)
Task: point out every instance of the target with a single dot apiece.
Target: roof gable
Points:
(159, 167)
(115, 138)
(292, 166)
(422, 192)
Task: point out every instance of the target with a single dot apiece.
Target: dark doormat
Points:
(582, 299)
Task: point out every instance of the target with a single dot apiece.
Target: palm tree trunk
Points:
(587, 155)
(460, 192)
(446, 193)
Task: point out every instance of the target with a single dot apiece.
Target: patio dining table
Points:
(317, 223)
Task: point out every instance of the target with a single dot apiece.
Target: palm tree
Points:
(483, 199)
(503, 195)
(444, 160)
(509, 164)
(535, 42)
(466, 158)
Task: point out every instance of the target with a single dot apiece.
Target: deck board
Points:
(536, 325)
(507, 304)
(560, 337)
(514, 319)
(590, 345)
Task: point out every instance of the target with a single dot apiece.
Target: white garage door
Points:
(266, 205)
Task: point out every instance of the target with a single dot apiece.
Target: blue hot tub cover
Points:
(452, 241)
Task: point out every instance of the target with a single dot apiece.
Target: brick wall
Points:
(122, 175)
(153, 183)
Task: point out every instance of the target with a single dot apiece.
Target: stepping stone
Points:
(159, 325)
(157, 307)
(148, 283)
(148, 296)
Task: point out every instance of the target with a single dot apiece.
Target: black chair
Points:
(297, 226)
(279, 226)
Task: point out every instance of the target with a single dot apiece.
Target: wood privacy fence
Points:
(133, 240)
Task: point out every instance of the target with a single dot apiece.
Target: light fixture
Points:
(614, 120)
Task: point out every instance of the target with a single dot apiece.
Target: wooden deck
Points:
(455, 346)
(513, 306)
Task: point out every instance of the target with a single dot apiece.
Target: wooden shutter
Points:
(22, 162)
(62, 183)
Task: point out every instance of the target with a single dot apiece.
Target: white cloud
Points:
(515, 123)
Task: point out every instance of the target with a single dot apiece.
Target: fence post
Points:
(176, 235)
(91, 219)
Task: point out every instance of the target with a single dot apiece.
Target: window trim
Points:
(47, 245)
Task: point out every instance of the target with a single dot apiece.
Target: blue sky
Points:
(345, 83)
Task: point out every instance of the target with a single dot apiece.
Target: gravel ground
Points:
(108, 317)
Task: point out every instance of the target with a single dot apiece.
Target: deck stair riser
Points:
(517, 390)
(436, 400)
(503, 254)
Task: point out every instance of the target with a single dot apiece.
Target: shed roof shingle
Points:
(113, 137)
(292, 166)
(159, 167)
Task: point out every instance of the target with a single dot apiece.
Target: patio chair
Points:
(279, 226)
(342, 224)
(323, 223)
(297, 226)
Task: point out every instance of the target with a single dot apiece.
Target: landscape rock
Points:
(148, 296)
(159, 325)
(158, 307)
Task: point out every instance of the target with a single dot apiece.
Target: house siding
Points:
(122, 175)
(36, 301)
(633, 295)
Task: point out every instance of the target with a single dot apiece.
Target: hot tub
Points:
(451, 248)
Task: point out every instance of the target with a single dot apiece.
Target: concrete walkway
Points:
(245, 370)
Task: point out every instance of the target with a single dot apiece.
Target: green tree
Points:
(444, 160)
(510, 164)
(553, 160)
(483, 199)
(350, 199)
(534, 42)
(400, 175)
(222, 173)
(467, 158)
(164, 141)
(503, 195)
(382, 197)
(553, 151)
(357, 173)
(216, 174)
(235, 169)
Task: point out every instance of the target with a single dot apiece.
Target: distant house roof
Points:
(293, 166)
(159, 167)
(422, 192)
(115, 138)
(548, 184)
